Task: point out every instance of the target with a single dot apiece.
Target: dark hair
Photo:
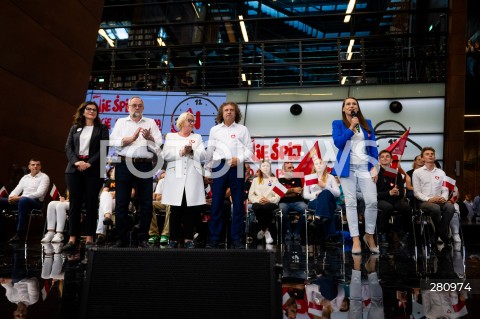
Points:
(427, 148)
(361, 119)
(385, 151)
(34, 159)
(238, 114)
(79, 118)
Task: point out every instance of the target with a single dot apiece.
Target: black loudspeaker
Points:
(296, 109)
(396, 107)
(181, 283)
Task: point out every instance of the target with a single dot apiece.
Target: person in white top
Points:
(229, 145)
(322, 198)
(27, 195)
(432, 196)
(138, 140)
(185, 193)
(83, 149)
(264, 199)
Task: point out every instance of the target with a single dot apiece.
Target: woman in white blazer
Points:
(183, 186)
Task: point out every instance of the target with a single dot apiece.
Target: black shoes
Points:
(143, 244)
(119, 244)
(15, 239)
(212, 244)
(70, 247)
(100, 240)
(237, 244)
(108, 221)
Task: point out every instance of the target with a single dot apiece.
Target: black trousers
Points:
(84, 188)
(182, 220)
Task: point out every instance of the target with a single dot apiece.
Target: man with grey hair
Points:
(138, 140)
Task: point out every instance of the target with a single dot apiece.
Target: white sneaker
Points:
(456, 238)
(268, 237)
(48, 237)
(260, 234)
(58, 238)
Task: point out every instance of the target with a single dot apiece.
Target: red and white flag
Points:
(398, 147)
(311, 179)
(449, 183)
(306, 165)
(390, 172)
(208, 190)
(279, 189)
(3, 192)
(54, 194)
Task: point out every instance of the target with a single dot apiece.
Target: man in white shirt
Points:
(138, 140)
(229, 145)
(432, 195)
(29, 194)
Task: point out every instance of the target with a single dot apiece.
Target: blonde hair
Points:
(325, 171)
(260, 173)
(182, 118)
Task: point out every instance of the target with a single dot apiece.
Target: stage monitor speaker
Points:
(181, 283)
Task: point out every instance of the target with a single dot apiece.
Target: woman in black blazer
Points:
(83, 170)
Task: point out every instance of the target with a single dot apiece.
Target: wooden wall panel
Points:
(45, 64)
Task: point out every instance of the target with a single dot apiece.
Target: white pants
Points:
(107, 205)
(57, 214)
(360, 180)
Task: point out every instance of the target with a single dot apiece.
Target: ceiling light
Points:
(344, 79)
(350, 7)
(243, 28)
(349, 50)
(244, 77)
(106, 37)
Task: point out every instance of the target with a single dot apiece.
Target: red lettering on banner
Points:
(117, 106)
(107, 121)
(120, 105)
(105, 106)
(279, 151)
(159, 123)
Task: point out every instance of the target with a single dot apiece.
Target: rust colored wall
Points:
(45, 63)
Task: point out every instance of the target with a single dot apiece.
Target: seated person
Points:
(417, 163)
(56, 216)
(106, 206)
(322, 199)
(27, 195)
(391, 196)
(187, 81)
(455, 222)
(432, 196)
(292, 201)
(264, 200)
(154, 231)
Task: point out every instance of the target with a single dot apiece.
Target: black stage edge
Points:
(181, 283)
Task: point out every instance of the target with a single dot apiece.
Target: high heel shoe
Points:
(357, 251)
(373, 250)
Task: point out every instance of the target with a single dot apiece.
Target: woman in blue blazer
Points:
(83, 170)
(357, 158)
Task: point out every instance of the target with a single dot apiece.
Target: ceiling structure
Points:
(283, 42)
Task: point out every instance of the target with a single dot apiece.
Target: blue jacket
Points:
(342, 139)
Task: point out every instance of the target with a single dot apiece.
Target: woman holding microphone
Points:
(357, 158)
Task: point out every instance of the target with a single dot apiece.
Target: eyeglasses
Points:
(90, 109)
(191, 121)
(136, 105)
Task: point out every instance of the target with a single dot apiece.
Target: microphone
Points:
(353, 114)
